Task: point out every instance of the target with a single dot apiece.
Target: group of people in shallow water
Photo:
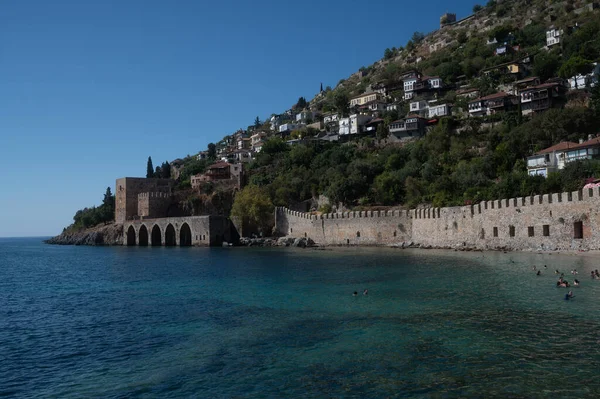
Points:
(563, 283)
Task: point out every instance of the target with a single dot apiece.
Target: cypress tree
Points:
(149, 168)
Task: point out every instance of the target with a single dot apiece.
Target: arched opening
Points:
(156, 236)
(143, 236)
(170, 240)
(130, 236)
(185, 236)
(358, 234)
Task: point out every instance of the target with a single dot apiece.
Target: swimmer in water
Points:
(539, 273)
(576, 283)
(365, 292)
(355, 293)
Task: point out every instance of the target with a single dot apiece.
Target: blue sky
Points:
(90, 89)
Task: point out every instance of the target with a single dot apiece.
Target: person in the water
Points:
(569, 295)
(576, 283)
(355, 293)
(539, 273)
(365, 292)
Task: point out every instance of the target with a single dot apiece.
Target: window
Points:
(358, 234)
(578, 230)
(546, 229)
(495, 232)
(530, 231)
(511, 231)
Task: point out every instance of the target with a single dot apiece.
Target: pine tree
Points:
(149, 168)
(257, 122)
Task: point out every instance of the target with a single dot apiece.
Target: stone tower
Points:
(127, 190)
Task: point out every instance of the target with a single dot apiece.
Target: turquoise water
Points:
(275, 323)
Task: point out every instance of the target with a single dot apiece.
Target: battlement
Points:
(155, 194)
(568, 220)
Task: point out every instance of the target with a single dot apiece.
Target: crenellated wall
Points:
(355, 228)
(558, 221)
(154, 204)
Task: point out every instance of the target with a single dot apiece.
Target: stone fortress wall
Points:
(127, 191)
(560, 221)
(154, 204)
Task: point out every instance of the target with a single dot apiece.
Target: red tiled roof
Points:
(590, 143)
(563, 145)
(219, 165)
(495, 95)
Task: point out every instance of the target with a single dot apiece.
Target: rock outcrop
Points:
(110, 234)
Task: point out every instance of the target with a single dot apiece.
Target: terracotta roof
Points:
(465, 91)
(492, 96)
(563, 145)
(531, 79)
(219, 165)
(377, 120)
(590, 143)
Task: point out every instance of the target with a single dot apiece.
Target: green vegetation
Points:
(252, 206)
(89, 217)
(446, 167)
(149, 168)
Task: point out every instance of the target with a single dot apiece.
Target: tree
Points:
(257, 122)
(417, 37)
(477, 8)
(574, 66)
(595, 99)
(253, 206)
(109, 199)
(301, 104)
(165, 170)
(340, 101)
(212, 151)
(149, 168)
(382, 132)
(545, 65)
(387, 54)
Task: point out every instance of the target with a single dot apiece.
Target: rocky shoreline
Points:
(110, 234)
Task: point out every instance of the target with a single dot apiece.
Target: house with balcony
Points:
(553, 36)
(287, 128)
(306, 117)
(542, 97)
(365, 98)
(413, 126)
(438, 110)
(548, 160)
(589, 149)
(242, 156)
(243, 143)
(257, 140)
(492, 104)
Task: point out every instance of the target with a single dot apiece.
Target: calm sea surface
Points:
(282, 323)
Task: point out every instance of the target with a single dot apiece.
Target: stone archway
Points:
(185, 235)
(170, 236)
(143, 236)
(130, 236)
(156, 236)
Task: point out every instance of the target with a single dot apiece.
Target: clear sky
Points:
(90, 89)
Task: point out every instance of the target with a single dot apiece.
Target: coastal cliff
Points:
(110, 234)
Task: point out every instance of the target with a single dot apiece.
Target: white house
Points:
(435, 111)
(358, 122)
(329, 118)
(344, 126)
(288, 127)
(553, 36)
(418, 106)
(585, 81)
(556, 157)
(305, 116)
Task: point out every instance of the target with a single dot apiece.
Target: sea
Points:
(127, 322)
